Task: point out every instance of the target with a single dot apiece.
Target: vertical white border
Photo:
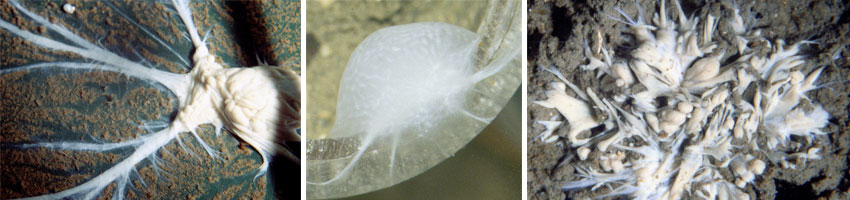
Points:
(524, 89)
(303, 53)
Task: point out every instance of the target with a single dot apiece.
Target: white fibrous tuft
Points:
(685, 119)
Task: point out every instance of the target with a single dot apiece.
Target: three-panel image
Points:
(472, 99)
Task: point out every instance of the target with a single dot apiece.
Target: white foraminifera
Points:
(583, 152)
(68, 8)
(756, 166)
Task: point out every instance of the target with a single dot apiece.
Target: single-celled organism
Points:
(259, 105)
(576, 111)
(68, 8)
(677, 127)
(411, 96)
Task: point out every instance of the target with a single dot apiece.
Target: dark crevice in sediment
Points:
(788, 190)
(562, 23)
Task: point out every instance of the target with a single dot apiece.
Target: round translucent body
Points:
(410, 75)
(410, 97)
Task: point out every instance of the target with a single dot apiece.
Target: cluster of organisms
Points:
(683, 114)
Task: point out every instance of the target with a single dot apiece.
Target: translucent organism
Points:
(682, 114)
(412, 95)
(259, 105)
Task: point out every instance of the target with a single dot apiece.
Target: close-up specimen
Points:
(688, 100)
(149, 100)
(424, 79)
